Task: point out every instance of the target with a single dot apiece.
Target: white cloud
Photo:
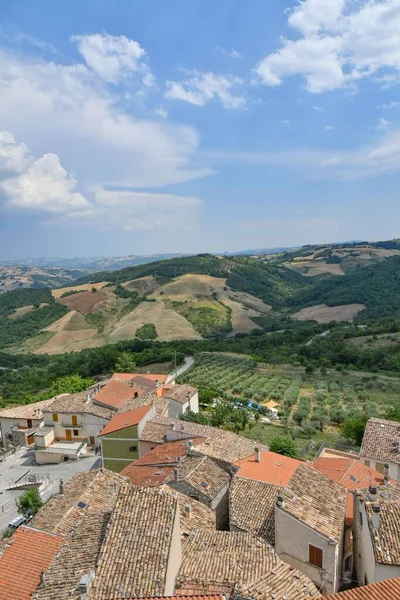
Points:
(390, 105)
(329, 127)
(318, 108)
(286, 122)
(144, 211)
(42, 185)
(161, 112)
(14, 157)
(70, 112)
(114, 58)
(231, 53)
(382, 124)
(340, 42)
(200, 88)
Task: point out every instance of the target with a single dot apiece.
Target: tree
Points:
(29, 503)
(257, 417)
(70, 384)
(283, 445)
(307, 428)
(392, 413)
(125, 363)
(206, 395)
(353, 428)
(309, 370)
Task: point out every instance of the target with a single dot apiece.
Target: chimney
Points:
(42, 579)
(188, 511)
(88, 398)
(373, 493)
(190, 448)
(258, 454)
(386, 474)
(61, 488)
(176, 474)
(280, 502)
(376, 509)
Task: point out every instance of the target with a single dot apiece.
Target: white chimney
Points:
(176, 474)
(188, 511)
(258, 454)
(190, 448)
(376, 509)
(280, 502)
(386, 474)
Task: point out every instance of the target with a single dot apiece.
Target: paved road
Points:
(189, 362)
(22, 461)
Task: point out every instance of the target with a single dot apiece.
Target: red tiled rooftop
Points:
(349, 472)
(115, 394)
(161, 378)
(272, 468)
(166, 453)
(29, 553)
(126, 419)
(147, 476)
(389, 589)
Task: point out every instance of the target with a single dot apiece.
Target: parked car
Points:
(17, 522)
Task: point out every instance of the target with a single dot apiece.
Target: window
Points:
(380, 467)
(361, 519)
(76, 432)
(367, 463)
(315, 556)
(55, 417)
(91, 440)
(29, 423)
(132, 448)
(74, 421)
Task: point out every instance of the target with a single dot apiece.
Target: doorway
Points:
(68, 434)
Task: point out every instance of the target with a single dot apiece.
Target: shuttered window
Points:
(55, 417)
(315, 556)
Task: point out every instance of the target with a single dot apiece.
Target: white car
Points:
(17, 522)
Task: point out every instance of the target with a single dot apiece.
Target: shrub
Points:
(283, 445)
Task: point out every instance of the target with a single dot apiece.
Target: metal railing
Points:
(8, 505)
(71, 426)
(33, 479)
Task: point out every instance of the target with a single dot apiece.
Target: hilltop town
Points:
(167, 507)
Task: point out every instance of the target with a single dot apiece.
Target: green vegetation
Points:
(147, 331)
(29, 503)
(283, 445)
(122, 292)
(209, 319)
(70, 293)
(125, 363)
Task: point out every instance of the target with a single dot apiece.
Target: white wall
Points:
(151, 413)
(394, 469)
(6, 425)
(194, 403)
(92, 425)
(292, 539)
(174, 557)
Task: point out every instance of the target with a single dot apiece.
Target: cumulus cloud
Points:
(114, 58)
(199, 88)
(337, 44)
(390, 105)
(41, 184)
(14, 157)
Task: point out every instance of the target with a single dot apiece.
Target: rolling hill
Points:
(202, 297)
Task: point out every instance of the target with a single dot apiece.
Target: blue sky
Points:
(136, 127)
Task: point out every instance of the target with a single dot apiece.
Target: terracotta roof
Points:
(181, 393)
(115, 394)
(147, 398)
(381, 441)
(27, 554)
(26, 411)
(272, 468)
(389, 589)
(95, 490)
(316, 501)
(78, 404)
(252, 507)
(134, 557)
(239, 564)
(218, 443)
(223, 559)
(145, 382)
(283, 582)
(148, 477)
(199, 516)
(125, 419)
(271, 404)
(77, 556)
(160, 377)
(203, 474)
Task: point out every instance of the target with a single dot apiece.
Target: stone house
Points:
(380, 448)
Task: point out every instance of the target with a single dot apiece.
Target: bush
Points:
(353, 428)
(29, 503)
(283, 445)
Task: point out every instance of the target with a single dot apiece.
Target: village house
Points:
(18, 424)
(384, 590)
(238, 565)
(309, 527)
(353, 475)
(120, 437)
(72, 422)
(141, 554)
(380, 448)
(376, 532)
(115, 394)
(181, 399)
(23, 558)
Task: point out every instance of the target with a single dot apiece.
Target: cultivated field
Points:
(24, 310)
(168, 323)
(325, 314)
(83, 301)
(57, 293)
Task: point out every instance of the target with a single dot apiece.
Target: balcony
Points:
(66, 425)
